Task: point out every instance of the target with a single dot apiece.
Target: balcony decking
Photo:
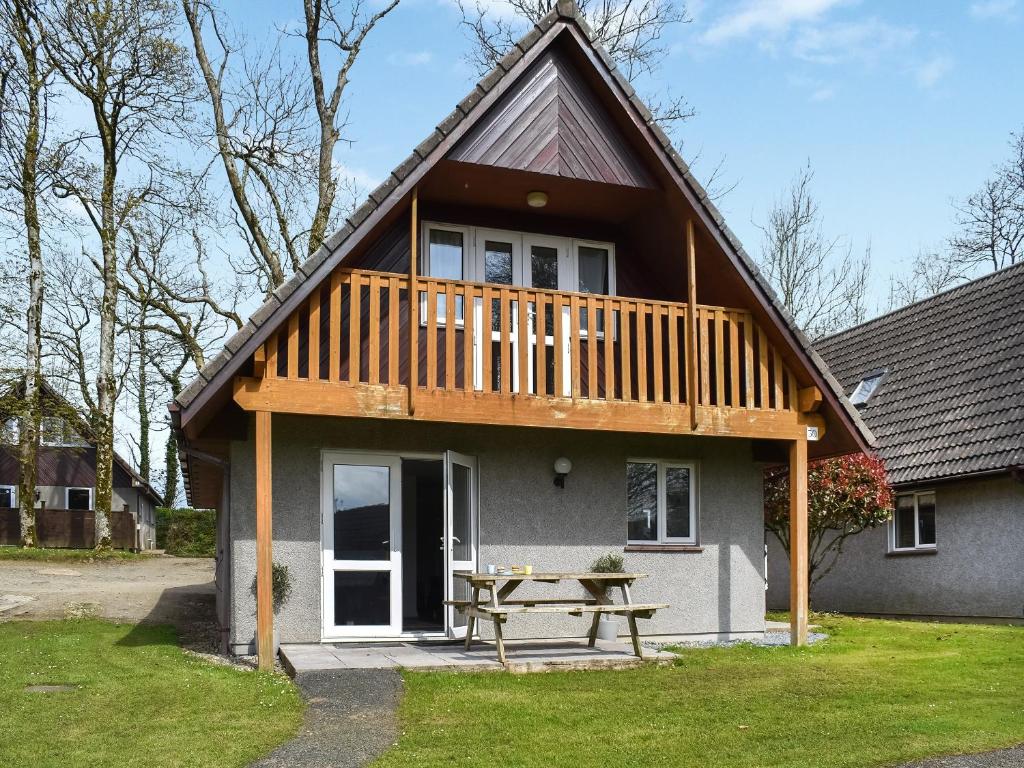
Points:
(494, 354)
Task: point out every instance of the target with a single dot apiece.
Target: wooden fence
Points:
(69, 528)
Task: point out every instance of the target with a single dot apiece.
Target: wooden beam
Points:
(808, 399)
(264, 548)
(691, 322)
(414, 299)
(259, 362)
(798, 542)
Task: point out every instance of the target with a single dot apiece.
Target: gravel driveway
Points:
(155, 589)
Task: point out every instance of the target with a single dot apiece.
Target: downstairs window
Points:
(661, 502)
(913, 525)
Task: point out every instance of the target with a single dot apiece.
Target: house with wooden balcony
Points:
(536, 343)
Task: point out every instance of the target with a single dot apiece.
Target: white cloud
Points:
(410, 58)
(932, 71)
(862, 41)
(994, 9)
(825, 93)
(773, 17)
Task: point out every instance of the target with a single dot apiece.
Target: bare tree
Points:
(931, 272)
(27, 166)
(121, 58)
(990, 222)
(273, 147)
(819, 280)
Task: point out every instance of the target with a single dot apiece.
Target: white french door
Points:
(362, 547)
(460, 533)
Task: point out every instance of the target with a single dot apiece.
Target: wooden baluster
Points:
(468, 352)
(574, 346)
(334, 329)
(450, 332)
(559, 345)
(313, 344)
(272, 345)
(592, 343)
(540, 327)
(719, 358)
(486, 340)
(431, 335)
(625, 351)
(748, 360)
(777, 379)
(609, 350)
(355, 320)
(374, 362)
(657, 351)
(394, 340)
(523, 336)
(641, 352)
(293, 346)
(734, 360)
(762, 354)
(673, 354)
(792, 389)
(504, 320)
(703, 316)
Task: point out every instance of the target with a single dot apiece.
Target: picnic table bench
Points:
(497, 607)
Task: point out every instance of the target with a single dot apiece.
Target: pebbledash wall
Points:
(977, 568)
(524, 518)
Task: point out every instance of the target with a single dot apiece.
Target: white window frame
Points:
(14, 494)
(893, 540)
(67, 493)
(662, 502)
(575, 263)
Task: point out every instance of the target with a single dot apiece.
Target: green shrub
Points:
(187, 532)
(610, 563)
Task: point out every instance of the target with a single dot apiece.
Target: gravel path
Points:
(350, 719)
(1003, 758)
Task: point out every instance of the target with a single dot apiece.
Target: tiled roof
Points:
(952, 400)
(566, 12)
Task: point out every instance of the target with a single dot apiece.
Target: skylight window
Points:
(866, 388)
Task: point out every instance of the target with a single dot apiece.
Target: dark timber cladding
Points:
(551, 122)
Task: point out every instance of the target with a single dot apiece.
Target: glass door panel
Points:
(547, 267)
(361, 545)
(460, 532)
(499, 255)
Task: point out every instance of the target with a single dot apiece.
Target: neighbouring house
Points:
(941, 385)
(66, 482)
(542, 280)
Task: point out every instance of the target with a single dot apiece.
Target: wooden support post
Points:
(798, 542)
(259, 362)
(691, 322)
(414, 300)
(264, 549)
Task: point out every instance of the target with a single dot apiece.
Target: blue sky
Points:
(899, 106)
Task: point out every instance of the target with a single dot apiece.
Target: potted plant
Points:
(280, 590)
(608, 625)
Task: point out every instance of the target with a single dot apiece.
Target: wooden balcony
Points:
(495, 354)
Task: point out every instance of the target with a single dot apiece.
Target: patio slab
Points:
(523, 656)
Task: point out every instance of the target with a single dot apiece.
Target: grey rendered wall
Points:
(977, 568)
(523, 518)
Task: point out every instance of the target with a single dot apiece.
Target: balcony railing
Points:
(493, 342)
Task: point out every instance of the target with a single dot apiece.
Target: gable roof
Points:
(564, 18)
(51, 458)
(951, 402)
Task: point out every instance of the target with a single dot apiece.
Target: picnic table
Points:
(498, 606)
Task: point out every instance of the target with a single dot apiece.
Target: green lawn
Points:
(77, 555)
(139, 700)
(877, 693)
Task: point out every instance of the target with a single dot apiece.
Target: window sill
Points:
(912, 552)
(663, 548)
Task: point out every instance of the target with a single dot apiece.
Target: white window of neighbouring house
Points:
(78, 498)
(9, 431)
(661, 502)
(913, 525)
(866, 388)
(8, 496)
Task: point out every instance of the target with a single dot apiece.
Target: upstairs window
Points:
(866, 388)
(661, 502)
(9, 431)
(8, 496)
(913, 525)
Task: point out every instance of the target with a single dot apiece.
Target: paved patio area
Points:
(523, 656)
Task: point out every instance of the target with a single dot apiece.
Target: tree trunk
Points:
(171, 466)
(106, 392)
(143, 406)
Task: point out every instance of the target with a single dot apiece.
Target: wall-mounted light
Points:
(562, 468)
(536, 199)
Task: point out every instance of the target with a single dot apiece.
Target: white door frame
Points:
(392, 565)
(450, 563)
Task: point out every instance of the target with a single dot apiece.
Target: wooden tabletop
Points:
(548, 576)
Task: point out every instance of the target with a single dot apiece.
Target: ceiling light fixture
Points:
(537, 199)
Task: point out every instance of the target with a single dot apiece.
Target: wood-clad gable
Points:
(551, 121)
